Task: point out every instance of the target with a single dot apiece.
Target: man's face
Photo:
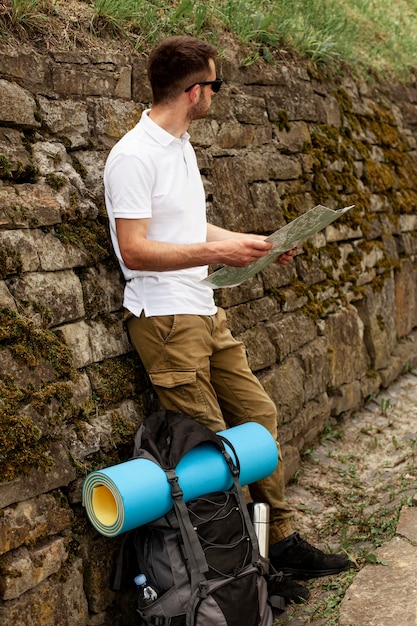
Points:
(200, 109)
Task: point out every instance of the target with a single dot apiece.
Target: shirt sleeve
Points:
(129, 187)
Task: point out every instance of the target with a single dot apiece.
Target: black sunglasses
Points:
(215, 85)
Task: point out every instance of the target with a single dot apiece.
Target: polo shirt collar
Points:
(159, 134)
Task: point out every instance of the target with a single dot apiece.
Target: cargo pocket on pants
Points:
(181, 391)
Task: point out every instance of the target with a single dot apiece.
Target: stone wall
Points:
(323, 334)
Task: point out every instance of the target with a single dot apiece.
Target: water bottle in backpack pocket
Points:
(146, 594)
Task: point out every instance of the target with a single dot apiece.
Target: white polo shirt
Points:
(152, 174)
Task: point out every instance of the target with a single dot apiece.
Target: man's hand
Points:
(240, 252)
(287, 257)
(239, 256)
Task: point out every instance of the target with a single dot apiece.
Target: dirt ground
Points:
(350, 489)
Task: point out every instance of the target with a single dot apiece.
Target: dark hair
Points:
(176, 63)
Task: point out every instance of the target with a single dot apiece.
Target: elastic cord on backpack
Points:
(235, 470)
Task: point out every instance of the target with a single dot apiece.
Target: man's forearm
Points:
(160, 256)
(216, 233)
(222, 246)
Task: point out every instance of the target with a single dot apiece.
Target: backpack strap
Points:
(118, 575)
(158, 620)
(193, 549)
(137, 448)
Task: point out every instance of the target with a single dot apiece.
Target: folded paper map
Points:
(284, 239)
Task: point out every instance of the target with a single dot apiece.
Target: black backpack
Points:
(202, 558)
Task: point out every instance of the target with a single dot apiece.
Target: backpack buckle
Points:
(234, 469)
(176, 491)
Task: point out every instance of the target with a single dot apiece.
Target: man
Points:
(156, 205)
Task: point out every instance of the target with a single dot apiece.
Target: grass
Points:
(31, 14)
(370, 36)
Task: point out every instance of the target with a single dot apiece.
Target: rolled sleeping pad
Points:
(136, 492)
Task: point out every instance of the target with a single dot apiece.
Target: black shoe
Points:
(295, 556)
(285, 588)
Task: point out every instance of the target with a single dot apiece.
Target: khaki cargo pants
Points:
(197, 367)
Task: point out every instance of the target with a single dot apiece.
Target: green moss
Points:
(361, 198)
(31, 344)
(333, 183)
(79, 167)
(344, 100)
(353, 260)
(60, 393)
(346, 109)
(299, 287)
(55, 181)
(119, 446)
(25, 173)
(66, 141)
(315, 72)
(320, 187)
(386, 265)
(326, 139)
(74, 201)
(403, 201)
(396, 176)
(345, 181)
(407, 172)
(18, 173)
(381, 322)
(368, 246)
(275, 294)
(386, 134)
(379, 176)
(22, 446)
(292, 292)
(44, 312)
(11, 394)
(332, 251)
(315, 307)
(283, 121)
(102, 211)
(123, 430)
(93, 292)
(383, 115)
(10, 262)
(88, 235)
(21, 443)
(379, 282)
(28, 140)
(114, 380)
(5, 168)
(290, 209)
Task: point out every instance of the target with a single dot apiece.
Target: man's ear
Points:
(194, 94)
